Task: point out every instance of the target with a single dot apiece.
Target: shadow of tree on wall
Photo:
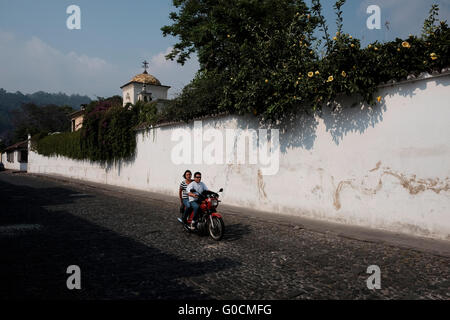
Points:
(340, 121)
(298, 131)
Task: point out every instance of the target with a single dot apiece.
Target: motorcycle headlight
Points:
(214, 203)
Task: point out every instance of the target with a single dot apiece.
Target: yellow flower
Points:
(343, 74)
(330, 78)
(297, 14)
(310, 74)
(317, 72)
(351, 37)
(334, 38)
(433, 56)
(311, 52)
(379, 98)
(337, 33)
(228, 35)
(405, 44)
(266, 81)
(376, 49)
(295, 97)
(296, 83)
(369, 46)
(398, 49)
(352, 45)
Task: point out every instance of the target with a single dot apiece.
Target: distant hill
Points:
(11, 101)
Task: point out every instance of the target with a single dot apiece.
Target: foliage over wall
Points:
(107, 134)
(263, 57)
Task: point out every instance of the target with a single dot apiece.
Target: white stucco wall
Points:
(133, 89)
(386, 167)
(16, 165)
(128, 90)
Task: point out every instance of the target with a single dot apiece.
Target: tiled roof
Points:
(18, 145)
(146, 78)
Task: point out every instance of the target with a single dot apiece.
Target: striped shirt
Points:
(183, 186)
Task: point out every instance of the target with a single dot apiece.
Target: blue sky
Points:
(38, 52)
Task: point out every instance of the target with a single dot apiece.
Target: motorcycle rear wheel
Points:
(216, 229)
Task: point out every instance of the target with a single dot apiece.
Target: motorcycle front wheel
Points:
(216, 228)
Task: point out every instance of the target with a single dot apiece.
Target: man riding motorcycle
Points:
(199, 187)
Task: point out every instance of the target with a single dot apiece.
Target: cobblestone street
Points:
(132, 247)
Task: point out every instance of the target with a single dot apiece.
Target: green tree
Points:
(251, 50)
(32, 119)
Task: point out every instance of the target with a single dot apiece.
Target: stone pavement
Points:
(129, 245)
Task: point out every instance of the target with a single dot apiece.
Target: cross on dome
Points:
(145, 66)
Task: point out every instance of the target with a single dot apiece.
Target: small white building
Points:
(144, 87)
(15, 157)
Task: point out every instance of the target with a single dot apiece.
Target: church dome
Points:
(146, 78)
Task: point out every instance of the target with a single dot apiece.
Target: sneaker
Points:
(193, 225)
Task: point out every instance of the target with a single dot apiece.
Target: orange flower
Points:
(379, 98)
(405, 44)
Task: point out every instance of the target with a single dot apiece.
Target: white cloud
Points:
(171, 73)
(32, 65)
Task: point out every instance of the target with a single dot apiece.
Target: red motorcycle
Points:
(209, 220)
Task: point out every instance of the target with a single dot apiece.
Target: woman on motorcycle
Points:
(183, 193)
